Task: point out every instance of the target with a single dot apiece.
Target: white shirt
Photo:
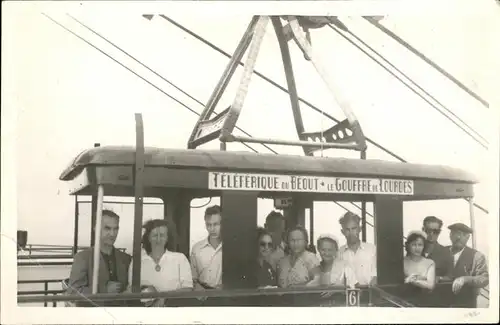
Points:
(175, 272)
(206, 263)
(363, 262)
(456, 256)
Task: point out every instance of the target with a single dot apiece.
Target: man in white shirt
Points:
(206, 255)
(360, 256)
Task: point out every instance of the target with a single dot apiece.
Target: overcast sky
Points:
(68, 96)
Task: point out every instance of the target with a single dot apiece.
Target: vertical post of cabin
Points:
(389, 238)
(311, 226)
(182, 218)
(75, 235)
(473, 222)
(295, 214)
(138, 207)
(363, 208)
(239, 221)
(93, 207)
(97, 246)
(223, 146)
(170, 206)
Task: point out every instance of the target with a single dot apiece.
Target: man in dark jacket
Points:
(113, 266)
(436, 252)
(470, 271)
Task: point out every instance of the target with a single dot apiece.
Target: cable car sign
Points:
(297, 183)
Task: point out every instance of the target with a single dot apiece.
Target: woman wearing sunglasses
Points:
(266, 276)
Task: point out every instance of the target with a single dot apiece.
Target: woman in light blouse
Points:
(296, 268)
(332, 271)
(161, 269)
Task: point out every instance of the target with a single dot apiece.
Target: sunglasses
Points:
(433, 231)
(266, 244)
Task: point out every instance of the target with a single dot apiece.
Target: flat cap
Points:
(460, 227)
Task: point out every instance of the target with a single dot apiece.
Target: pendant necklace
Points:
(157, 262)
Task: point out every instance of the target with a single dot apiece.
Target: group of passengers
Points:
(283, 260)
(288, 262)
(427, 262)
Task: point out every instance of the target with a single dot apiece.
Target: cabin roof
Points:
(261, 163)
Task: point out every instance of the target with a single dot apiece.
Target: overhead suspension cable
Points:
(335, 29)
(132, 71)
(426, 59)
(158, 75)
(310, 105)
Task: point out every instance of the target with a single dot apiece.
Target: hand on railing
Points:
(113, 287)
(457, 285)
(152, 302)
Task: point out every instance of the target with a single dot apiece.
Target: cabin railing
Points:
(45, 292)
(37, 255)
(371, 296)
(238, 293)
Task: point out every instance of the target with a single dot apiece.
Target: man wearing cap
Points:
(360, 256)
(275, 225)
(436, 252)
(470, 271)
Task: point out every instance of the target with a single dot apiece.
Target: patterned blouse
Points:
(299, 273)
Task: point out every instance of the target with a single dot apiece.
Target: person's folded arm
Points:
(79, 276)
(430, 281)
(480, 276)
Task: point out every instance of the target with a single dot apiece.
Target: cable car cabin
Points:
(239, 179)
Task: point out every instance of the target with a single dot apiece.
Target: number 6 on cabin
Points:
(352, 297)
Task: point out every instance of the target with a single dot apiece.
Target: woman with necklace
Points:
(161, 269)
(420, 272)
